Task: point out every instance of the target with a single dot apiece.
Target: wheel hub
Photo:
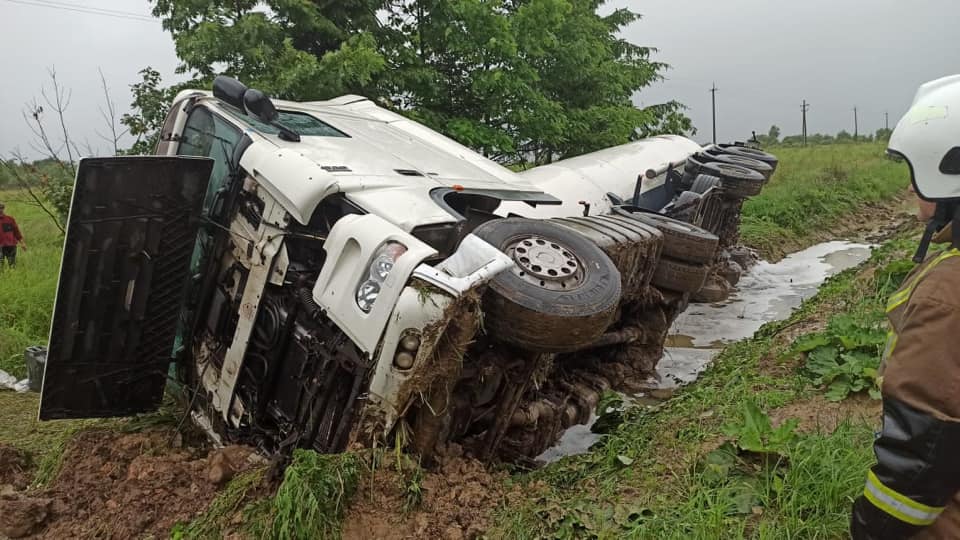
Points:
(545, 263)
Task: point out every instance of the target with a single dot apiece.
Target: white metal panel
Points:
(296, 182)
(350, 247)
(591, 176)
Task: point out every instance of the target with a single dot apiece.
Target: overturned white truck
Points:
(330, 273)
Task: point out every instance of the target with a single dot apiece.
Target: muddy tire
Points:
(753, 153)
(562, 293)
(680, 276)
(703, 183)
(685, 206)
(735, 159)
(716, 289)
(738, 182)
(682, 241)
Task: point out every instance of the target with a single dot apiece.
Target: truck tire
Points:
(560, 296)
(753, 153)
(680, 276)
(692, 166)
(704, 182)
(760, 166)
(738, 182)
(685, 206)
(682, 241)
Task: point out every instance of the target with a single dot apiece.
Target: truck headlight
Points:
(383, 261)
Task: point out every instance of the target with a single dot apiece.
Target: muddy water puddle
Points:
(768, 292)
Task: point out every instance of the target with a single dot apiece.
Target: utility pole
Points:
(713, 106)
(855, 126)
(804, 108)
(886, 120)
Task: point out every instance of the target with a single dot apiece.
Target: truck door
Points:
(132, 229)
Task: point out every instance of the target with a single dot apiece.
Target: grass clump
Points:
(315, 491)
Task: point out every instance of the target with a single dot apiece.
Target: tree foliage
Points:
(514, 79)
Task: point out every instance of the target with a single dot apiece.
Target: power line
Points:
(74, 5)
(89, 10)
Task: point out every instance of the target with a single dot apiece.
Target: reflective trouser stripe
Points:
(897, 505)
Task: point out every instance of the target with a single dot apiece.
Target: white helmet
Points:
(928, 138)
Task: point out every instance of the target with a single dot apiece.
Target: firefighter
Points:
(9, 238)
(908, 492)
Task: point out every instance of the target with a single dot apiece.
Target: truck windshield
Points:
(301, 123)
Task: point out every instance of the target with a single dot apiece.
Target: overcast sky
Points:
(765, 56)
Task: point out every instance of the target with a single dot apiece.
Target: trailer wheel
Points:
(681, 240)
(560, 296)
(685, 206)
(761, 167)
(704, 182)
(738, 182)
(680, 276)
(753, 153)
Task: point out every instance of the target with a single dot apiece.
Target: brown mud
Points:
(456, 501)
(872, 223)
(122, 485)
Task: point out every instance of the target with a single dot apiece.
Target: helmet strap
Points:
(947, 212)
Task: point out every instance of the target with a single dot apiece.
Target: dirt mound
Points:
(125, 485)
(458, 500)
(14, 468)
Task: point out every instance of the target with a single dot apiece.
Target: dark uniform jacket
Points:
(912, 490)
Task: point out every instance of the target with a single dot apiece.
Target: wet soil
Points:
(457, 502)
(122, 485)
(817, 414)
(872, 223)
(15, 468)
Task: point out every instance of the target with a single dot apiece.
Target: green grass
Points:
(816, 189)
(27, 291)
(666, 492)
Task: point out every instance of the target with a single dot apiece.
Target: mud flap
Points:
(131, 232)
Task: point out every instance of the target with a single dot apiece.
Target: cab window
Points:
(208, 135)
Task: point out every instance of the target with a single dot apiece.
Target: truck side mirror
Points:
(229, 90)
(259, 105)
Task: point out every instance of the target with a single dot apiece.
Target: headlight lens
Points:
(383, 261)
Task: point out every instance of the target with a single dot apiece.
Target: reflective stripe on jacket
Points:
(917, 473)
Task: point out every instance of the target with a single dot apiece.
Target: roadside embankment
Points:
(823, 193)
(773, 441)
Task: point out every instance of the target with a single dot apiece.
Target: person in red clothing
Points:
(9, 238)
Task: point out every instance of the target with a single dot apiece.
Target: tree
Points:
(296, 49)
(774, 133)
(515, 79)
(149, 109)
(883, 134)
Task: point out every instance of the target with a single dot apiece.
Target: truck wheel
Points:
(685, 206)
(753, 153)
(560, 296)
(760, 166)
(682, 241)
(692, 166)
(680, 276)
(738, 182)
(704, 182)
